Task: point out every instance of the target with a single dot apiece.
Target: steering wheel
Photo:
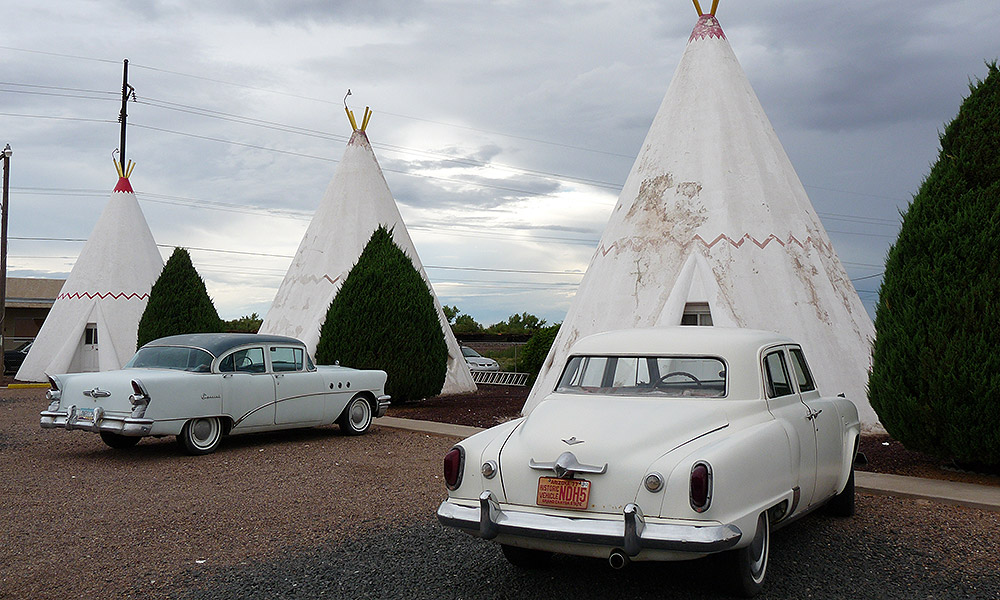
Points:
(671, 374)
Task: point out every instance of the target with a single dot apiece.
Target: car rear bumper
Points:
(632, 534)
(70, 419)
(383, 405)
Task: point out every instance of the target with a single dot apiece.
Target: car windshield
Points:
(666, 376)
(179, 358)
(469, 352)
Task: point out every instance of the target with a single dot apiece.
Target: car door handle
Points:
(813, 414)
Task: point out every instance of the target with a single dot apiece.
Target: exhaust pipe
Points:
(618, 559)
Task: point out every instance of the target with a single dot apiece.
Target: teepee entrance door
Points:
(88, 352)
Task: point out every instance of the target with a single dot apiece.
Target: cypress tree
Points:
(384, 318)
(178, 302)
(935, 380)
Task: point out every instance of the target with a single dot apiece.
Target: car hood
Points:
(626, 434)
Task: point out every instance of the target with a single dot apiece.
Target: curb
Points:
(969, 495)
(22, 386)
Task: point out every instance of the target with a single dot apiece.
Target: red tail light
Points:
(701, 486)
(454, 464)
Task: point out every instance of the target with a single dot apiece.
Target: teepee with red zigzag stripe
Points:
(713, 226)
(356, 203)
(94, 323)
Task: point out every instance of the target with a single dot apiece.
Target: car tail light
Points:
(701, 486)
(454, 464)
(54, 393)
(139, 400)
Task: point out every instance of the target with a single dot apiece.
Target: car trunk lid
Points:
(625, 434)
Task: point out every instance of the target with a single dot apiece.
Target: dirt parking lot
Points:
(83, 521)
(312, 514)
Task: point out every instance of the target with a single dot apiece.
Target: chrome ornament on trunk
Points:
(567, 465)
(97, 393)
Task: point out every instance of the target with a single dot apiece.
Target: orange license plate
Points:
(563, 493)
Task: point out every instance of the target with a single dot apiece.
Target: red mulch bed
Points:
(494, 404)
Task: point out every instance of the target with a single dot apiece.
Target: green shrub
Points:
(384, 318)
(536, 349)
(178, 302)
(935, 380)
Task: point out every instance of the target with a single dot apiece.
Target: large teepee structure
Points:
(356, 202)
(94, 322)
(713, 226)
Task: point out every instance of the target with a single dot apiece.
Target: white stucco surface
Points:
(713, 211)
(108, 286)
(356, 202)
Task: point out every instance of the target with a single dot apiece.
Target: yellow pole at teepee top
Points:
(715, 5)
(350, 116)
(697, 7)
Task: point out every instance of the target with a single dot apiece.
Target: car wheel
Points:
(526, 558)
(357, 416)
(201, 436)
(119, 441)
(842, 505)
(750, 563)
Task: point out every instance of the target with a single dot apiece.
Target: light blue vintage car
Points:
(201, 387)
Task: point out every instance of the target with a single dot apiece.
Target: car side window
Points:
(776, 375)
(801, 369)
(248, 360)
(285, 359)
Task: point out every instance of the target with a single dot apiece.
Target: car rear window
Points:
(179, 358)
(665, 376)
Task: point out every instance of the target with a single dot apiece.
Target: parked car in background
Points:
(478, 362)
(12, 359)
(660, 444)
(202, 387)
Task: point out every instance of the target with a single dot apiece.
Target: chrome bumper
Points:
(632, 534)
(69, 419)
(383, 405)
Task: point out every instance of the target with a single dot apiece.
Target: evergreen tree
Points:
(384, 318)
(178, 302)
(935, 380)
(537, 349)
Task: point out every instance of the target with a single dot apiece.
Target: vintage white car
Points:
(201, 387)
(660, 444)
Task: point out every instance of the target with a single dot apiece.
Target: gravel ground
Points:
(313, 514)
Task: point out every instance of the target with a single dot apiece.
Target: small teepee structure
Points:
(356, 202)
(95, 319)
(713, 226)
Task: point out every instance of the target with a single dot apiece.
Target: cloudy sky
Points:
(505, 129)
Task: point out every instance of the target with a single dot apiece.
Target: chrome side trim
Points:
(631, 532)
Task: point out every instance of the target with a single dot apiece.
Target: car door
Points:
(300, 393)
(247, 388)
(827, 426)
(786, 405)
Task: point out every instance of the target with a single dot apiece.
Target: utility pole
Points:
(127, 91)
(3, 242)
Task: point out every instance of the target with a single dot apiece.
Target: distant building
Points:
(28, 303)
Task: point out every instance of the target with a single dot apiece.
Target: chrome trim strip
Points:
(632, 533)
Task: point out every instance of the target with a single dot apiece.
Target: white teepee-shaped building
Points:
(94, 323)
(713, 226)
(356, 202)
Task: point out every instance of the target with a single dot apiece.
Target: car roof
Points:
(687, 340)
(218, 343)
